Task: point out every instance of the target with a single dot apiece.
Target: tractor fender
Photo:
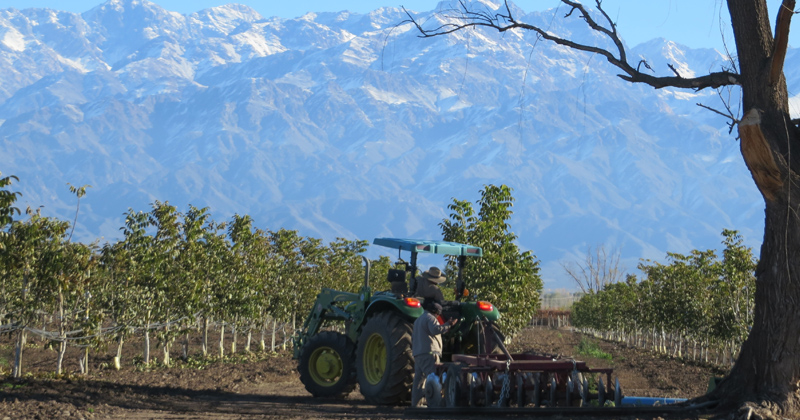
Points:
(472, 311)
(409, 313)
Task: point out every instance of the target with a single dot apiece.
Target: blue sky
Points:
(695, 23)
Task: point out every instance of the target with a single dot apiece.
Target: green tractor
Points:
(375, 349)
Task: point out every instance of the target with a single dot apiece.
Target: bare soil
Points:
(268, 386)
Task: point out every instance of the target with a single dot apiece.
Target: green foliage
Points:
(697, 296)
(590, 348)
(505, 276)
(7, 200)
(172, 268)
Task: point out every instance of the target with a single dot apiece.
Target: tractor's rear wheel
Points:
(384, 364)
(327, 365)
(481, 339)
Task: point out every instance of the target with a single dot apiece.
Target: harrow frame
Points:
(522, 380)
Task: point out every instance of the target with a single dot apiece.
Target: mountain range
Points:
(351, 125)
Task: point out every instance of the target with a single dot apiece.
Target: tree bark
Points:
(767, 371)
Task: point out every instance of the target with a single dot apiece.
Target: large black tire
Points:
(384, 362)
(472, 345)
(327, 365)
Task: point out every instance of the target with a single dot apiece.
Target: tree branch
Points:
(781, 40)
(504, 22)
(733, 120)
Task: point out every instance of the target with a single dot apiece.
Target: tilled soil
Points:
(269, 387)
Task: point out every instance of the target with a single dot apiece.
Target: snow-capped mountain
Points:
(343, 124)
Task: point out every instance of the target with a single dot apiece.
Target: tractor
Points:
(374, 349)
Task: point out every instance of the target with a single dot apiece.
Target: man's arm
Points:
(434, 328)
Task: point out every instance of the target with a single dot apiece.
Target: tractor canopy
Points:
(426, 246)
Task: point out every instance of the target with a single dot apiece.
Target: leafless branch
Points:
(731, 117)
(674, 70)
(598, 269)
(505, 21)
(644, 63)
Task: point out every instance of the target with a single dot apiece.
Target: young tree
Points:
(7, 212)
(243, 291)
(505, 276)
(763, 382)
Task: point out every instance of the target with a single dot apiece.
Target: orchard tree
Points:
(764, 381)
(504, 275)
(7, 199)
(7, 212)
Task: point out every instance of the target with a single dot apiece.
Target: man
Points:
(428, 285)
(426, 346)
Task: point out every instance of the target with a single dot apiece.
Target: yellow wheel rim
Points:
(325, 366)
(374, 358)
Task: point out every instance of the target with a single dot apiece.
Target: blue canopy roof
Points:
(424, 246)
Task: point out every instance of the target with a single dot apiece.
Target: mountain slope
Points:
(341, 124)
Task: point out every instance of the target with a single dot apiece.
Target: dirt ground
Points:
(267, 387)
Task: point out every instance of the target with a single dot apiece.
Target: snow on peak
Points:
(12, 38)
(263, 112)
(228, 17)
(662, 54)
(152, 11)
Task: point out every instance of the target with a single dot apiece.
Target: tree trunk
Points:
(249, 340)
(62, 345)
(146, 355)
(185, 353)
(167, 345)
(234, 332)
(118, 357)
(768, 368)
(205, 336)
(21, 341)
(274, 328)
(222, 340)
(262, 344)
(84, 360)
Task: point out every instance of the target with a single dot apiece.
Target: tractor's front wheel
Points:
(326, 365)
(384, 363)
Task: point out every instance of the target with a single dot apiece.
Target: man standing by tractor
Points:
(428, 284)
(426, 346)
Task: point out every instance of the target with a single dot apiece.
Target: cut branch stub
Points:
(781, 40)
(758, 155)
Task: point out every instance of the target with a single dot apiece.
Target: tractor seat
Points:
(397, 278)
(451, 309)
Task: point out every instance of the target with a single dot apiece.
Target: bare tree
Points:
(765, 381)
(598, 269)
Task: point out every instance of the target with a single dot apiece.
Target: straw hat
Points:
(434, 275)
